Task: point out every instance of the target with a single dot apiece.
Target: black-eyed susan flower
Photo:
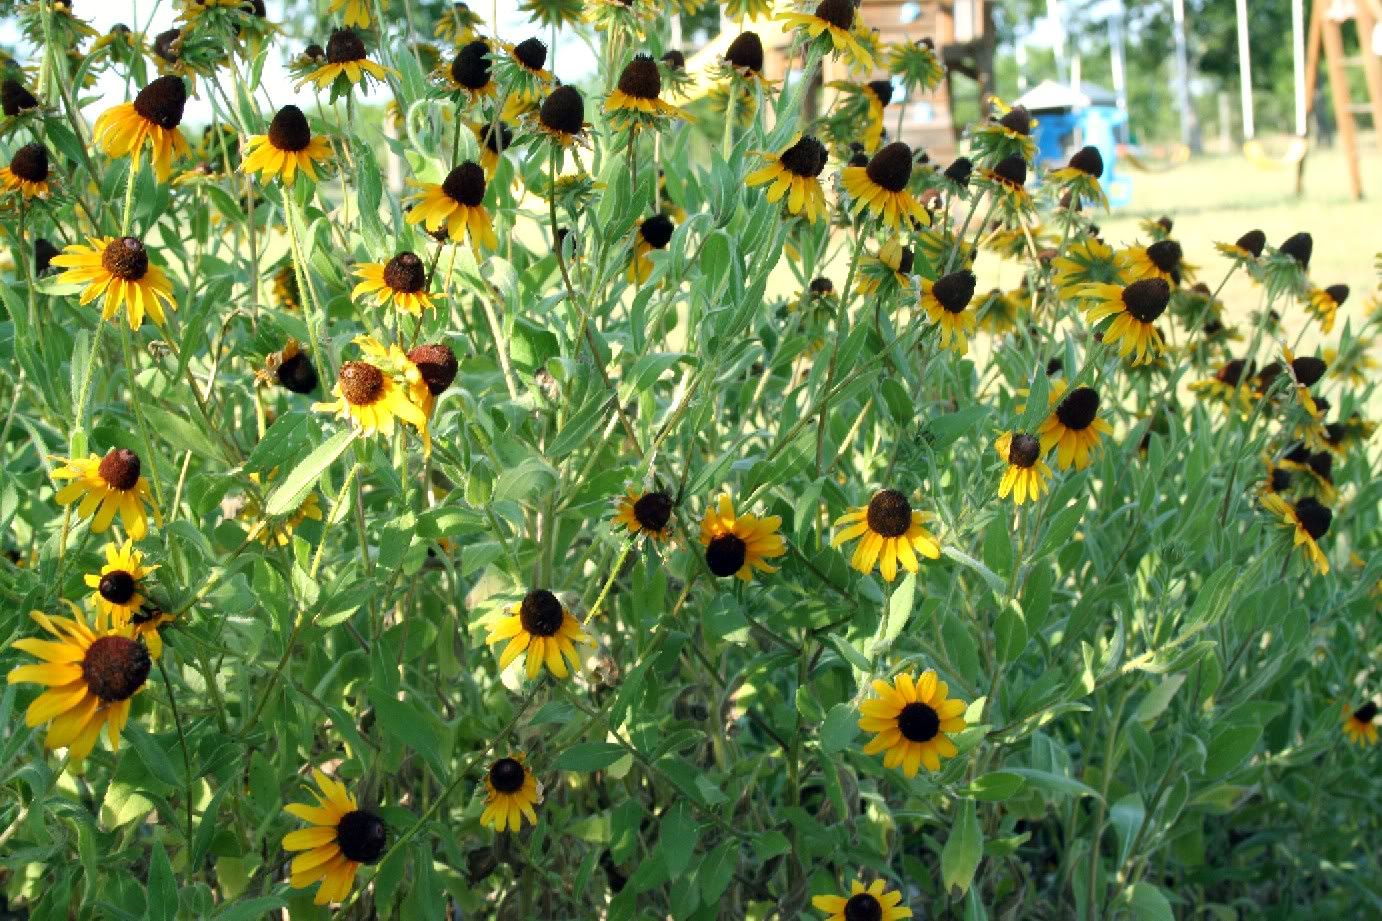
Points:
(889, 271)
(1007, 183)
(542, 629)
(860, 111)
(1074, 426)
(107, 485)
(290, 368)
(494, 139)
(736, 545)
(832, 23)
(1026, 473)
(1298, 247)
(998, 311)
(654, 233)
(636, 99)
(511, 792)
(945, 301)
(1246, 249)
(1360, 726)
(871, 903)
(354, 13)
(1161, 259)
(647, 513)
(119, 272)
(1308, 520)
(90, 670)
(457, 25)
(341, 836)
(1080, 177)
(521, 73)
(119, 585)
(15, 98)
(402, 280)
(471, 72)
(744, 59)
(675, 78)
(794, 174)
(372, 394)
(890, 533)
(27, 173)
(44, 251)
(1006, 136)
(1135, 308)
(145, 623)
(1228, 385)
(554, 14)
(739, 10)
(287, 148)
(881, 187)
(346, 60)
(151, 119)
(912, 720)
(457, 203)
(627, 18)
(437, 367)
(1087, 261)
(1283, 270)
(1305, 372)
(1324, 303)
(917, 64)
(561, 118)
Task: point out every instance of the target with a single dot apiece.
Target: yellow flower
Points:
(372, 396)
(356, 11)
(874, 903)
(1026, 473)
(891, 267)
(153, 118)
(1080, 177)
(1161, 259)
(541, 628)
(1359, 725)
(1088, 261)
(1324, 304)
(457, 203)
(636, 98)
(1308, 521)
(1074, 426)
(287, 147)
(107, 485)
(736, 545)
(511, 792)
(403, 280)
(457, 25)
(794, 174)
(647, 513)
(561, 117)
(118, 584)
(1134, 309)
(881, 187)
(912, 720)
(835, 20)
(28, 172)
(345, 57)
(91, 670)
(1246, 249)
(119, 270)
(471, 72)
(893, 532)
(944, 301)
(339, 838)
(277, 532)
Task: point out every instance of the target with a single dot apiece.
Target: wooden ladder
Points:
(1327, 18)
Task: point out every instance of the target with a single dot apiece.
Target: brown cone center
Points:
(507, 775)
(889, 513)
(891, 167)
(1077, 411)
(120, 469)
(162, 101)
(471, 67)
(1024, 450)
(465, 184)
(126, 259)
(746, 52)
(839, 13)
(114, 667)
(30, 163)
(918, 722)
(805, 158)
(436, 363)
(116, 586)
(405, 274)
(289, 130)
(563, 111)
(361, 383)
(1147, 299)
(1313, 517)
(653, 510)
(641, 79)
(541, 613)
(955, 291)
(361, 835)
(344, 46)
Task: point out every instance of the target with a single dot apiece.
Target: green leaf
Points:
(717, 870)
(250, 909)
(1062, 528)
(995, 786)
(943, 431)
(839, 729)
(1037, 402)
(153, 755)
(1229, 747)
(576, 432)
(1158, 699)
(899, 611)
(963, 849)
(288, 436)
(585, 757)
(1055, 783)
(163, 888)
(850, 654)
(414, 727)
(678, 838)
(1147, 903)
(288, 494)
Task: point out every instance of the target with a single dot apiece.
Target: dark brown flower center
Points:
(1024, 450)
(1232, 372)
(918, 722)
(1089, 161)
(465, 184)
(905, 260)
(162, 101)
(822, 285)
(405, 274)
(313, 52)
(116, 586)
(114, 667)
(657, 231)
(1322, 462)
(674, 60)
(1055, 366)
(531, 53)
(120, 469)
(1280, 480)
(361, 382)
(30, 163)
(1268, 375)
(1313, 517)
(362, 836)
(1147, 299)
(955, 291)
(725, 555)
(1077, 410)
(167, 45)
(863, 907)
(436, 363)
(882, 90)
(295, 373)
(891, 167)
(805, 158)
(960, 171)
(44, 251)
(653, 510)
(1165, 255)
(889, 513)
(1337, 293)
(563, 111)
(126, 259)
(541, 613)
(746, 52)
(1299, 247)
(496, 141)
(1308, 369)
(839, 13)
(1018, 120)
(1253, 241)
(289, 130)
(507, 775)
(1366, 713)
(641, 78)
(1012, 171)
(14, 98)
(344, 46)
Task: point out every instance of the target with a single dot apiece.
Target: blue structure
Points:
(1068, 119)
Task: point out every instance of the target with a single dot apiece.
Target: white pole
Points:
(1115, 50)
(1298, 61)
(1189, 128)
(1057, 17)
(1245, 71)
